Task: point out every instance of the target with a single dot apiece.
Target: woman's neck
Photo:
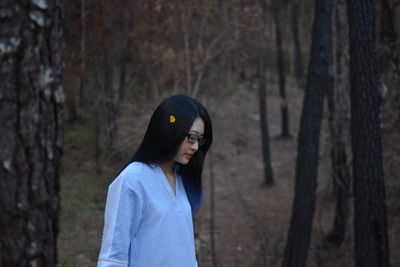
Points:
(167, 167)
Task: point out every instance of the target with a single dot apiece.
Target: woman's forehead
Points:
(198, 126)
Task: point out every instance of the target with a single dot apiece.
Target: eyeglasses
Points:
(192, 138)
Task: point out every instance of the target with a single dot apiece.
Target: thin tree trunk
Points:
(98, 123)
(199, 78)
(82, 101)
(281, 72)
(185, 26)
(388, 53)
(318, 80)
(31, 132)
(70, 104)
(127, 40)
(212, 217)
(110, 93)
(262, 96)
(98, 126)
(337, 122)
(298, 62)
(222, 10)
(370, 222)
(340, 173)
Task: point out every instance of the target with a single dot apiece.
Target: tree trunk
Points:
(388, 53)
(298, 62)
(281, 72)
(82, 55)
(31, 103)
(370, 222)
(222, 10)
(388, 35)
(127, 41)
(262, 95)
(340, 173)
(110, 93)
(97, 137)
(70, 102)
(338, 110)
(318, 80)
(185, 18)
(212, 212)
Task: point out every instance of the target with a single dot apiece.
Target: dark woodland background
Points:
(305, 102)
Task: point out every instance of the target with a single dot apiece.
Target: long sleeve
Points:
(122, 217)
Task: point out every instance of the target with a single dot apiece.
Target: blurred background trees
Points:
(245, 60)
(126, 53)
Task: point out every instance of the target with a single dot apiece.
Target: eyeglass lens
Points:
(193, 139)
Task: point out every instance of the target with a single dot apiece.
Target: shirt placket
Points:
(168, 187)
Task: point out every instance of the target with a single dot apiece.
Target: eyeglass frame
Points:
(200, 140)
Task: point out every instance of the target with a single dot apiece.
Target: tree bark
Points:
(31, 136)
(370, 222)
(318, 80)
(281, 72)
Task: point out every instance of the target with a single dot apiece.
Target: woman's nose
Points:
(195, 146)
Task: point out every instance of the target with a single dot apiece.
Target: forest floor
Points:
(250, 219)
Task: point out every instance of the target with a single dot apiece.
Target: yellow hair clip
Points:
(172, 119)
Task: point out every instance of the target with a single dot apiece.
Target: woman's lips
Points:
(189, 155)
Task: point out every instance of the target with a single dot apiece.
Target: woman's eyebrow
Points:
(196, 132)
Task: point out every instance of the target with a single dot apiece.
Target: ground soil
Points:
(250, 219)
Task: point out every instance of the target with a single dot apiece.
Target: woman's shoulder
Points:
(136, 172)
(137, 169)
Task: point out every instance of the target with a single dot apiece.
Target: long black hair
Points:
(168, 126)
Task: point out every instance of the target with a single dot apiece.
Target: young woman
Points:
(148, 216)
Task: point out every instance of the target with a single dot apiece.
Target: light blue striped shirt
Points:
(145, 223)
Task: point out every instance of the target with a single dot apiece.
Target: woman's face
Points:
(187, 149)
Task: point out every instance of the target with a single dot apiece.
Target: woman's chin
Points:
(184, 161)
